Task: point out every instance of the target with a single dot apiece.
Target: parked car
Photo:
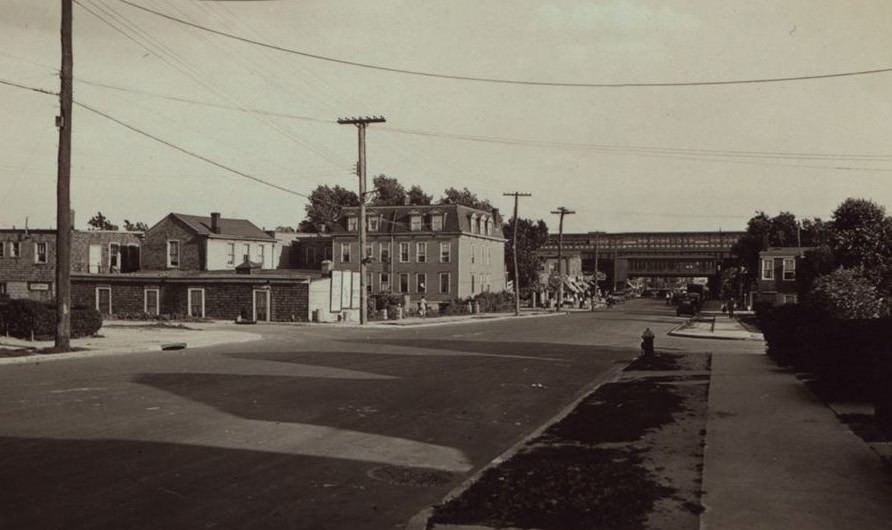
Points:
(686, 306)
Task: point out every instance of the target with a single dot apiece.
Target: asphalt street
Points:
(314, 427)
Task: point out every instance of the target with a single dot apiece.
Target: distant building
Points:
(197, 243)
(777, 275)
(439, 251)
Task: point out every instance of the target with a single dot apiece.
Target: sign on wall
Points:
(345, 291)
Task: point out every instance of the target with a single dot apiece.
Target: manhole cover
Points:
(410, 476)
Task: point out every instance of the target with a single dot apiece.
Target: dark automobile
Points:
(686, 306)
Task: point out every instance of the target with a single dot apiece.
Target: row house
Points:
(777, 281)
(441, 252)
(28, 258)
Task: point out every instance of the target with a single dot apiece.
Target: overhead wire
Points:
(122, 25)
(665, 84)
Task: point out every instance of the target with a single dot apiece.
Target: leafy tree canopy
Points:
(388, 192)
(860, 235)
(531, 235)
(417, 196)
(138, 226)
(782, 230)
(324, 207)
(464, 197)
(101, 222)
(848, 294)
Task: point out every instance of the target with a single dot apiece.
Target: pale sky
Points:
(623, 158)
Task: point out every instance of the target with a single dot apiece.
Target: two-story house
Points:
(441, 252)
(212, 243)
(777, 275)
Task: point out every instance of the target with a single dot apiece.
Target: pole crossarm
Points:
(362, 120)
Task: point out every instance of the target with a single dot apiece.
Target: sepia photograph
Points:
(445, 265)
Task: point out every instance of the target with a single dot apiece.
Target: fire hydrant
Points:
(647, 342)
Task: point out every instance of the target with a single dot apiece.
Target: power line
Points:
(506, 81)
(190, 153)
(31, 88)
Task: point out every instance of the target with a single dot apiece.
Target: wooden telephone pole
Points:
(361, 124)
(516, 195)
(63, 188)
(562, 212)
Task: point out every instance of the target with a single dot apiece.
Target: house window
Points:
(420, 252)
(3, 289)
(473, 254)
(368, 282)
(485, 223)
(15, 249)
(326, 252)
(789, 269)
(246, 252)
(2, 249)
(421, 283)
(196, 302)
(173, 253)
(114, 257)
(445, 252)
(474, 226)
(385, 252)
(374, 223)
(310, 255)
(404, 253)
(261, 254)
(437, 223)
(404, 282)
(369, 252)
(384, 282)
(445, 281)
(352, 224)
(415, 223)
(791, 299)
(152, 301)
(473, 284)
(40, 253)
(230, 254)
(768, 269)
(345, 252)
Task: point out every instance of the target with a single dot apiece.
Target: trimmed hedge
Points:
(851, 359)
(26, 318)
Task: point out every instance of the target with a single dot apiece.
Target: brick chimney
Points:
(215, 222)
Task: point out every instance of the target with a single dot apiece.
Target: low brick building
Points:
(263, 296)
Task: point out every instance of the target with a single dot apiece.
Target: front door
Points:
(103, 300)
(94, 264)
(261, 305)
(196, 302)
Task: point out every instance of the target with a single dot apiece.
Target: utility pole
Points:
(63, 187)
(361, 124)
(516, 195)
(562, 212)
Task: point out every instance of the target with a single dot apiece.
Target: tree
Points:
(860, 235)
(531, 235)
(286, 229)
(324, 207)
(138, 226)
(388, 192)
(464, 197)
(417, 196)
(100, 222)
(847, 294)
(782, 230)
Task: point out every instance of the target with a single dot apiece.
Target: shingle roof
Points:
(229, 228)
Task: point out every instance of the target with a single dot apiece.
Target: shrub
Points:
(26, 318)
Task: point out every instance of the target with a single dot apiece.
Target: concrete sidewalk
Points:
(778, 458)
(715, 326)
(129, 337)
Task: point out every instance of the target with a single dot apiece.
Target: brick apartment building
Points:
(777, 275)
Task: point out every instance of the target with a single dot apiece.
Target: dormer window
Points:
(485, 224)
(475, 224)
(352, 224)
(437, 222)
(415, 222)
(374, 223)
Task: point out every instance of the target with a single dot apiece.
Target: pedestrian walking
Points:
(732, 305)
(422, 307)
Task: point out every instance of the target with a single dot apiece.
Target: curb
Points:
(674, 332)
(420, 520)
